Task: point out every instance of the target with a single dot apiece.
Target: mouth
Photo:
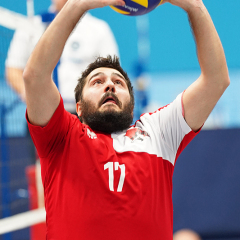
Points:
(110, 99)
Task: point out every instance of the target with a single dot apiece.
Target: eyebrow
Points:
(119, 75)
(101, 73)
(94, 75)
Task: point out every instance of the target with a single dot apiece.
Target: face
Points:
(105, 103)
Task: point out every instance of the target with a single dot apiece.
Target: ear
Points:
(132, 110)
(78, 108)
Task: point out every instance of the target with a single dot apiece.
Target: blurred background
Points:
(158, 52)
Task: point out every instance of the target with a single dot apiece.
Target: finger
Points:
(117, 3)
(164, 1)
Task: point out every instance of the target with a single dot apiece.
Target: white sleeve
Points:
(19, 51)
(169, 129)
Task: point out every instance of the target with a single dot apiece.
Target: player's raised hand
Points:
(91, 4)
(185, 4)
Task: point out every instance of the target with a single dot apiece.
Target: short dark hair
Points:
(108, 62)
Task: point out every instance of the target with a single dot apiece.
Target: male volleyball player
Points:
(103, 178)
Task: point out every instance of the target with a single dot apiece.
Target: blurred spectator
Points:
(80, 50)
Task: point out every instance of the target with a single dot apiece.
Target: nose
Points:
(110, 87)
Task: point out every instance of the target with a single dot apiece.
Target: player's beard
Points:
(107, 121)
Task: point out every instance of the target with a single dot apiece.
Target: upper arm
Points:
(200, 98)
(42, 99)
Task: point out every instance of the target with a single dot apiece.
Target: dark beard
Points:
(108, 121)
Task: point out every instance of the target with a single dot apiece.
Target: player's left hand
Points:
(185, 4)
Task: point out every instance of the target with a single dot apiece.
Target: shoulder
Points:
(167, 117)
(60, 124)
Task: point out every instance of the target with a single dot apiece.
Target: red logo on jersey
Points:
(91, 134)
(136, 133)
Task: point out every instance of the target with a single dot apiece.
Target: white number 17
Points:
(109, 166)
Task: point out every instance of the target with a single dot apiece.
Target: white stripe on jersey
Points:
(165, 128)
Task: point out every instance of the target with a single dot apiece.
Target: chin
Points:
(110, 107)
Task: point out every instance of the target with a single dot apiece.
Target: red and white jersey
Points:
(119, 186)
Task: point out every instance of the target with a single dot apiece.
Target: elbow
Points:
(226, 81)
(32, 74)
(222, 78)
(223, 84)
(224, 74)
(28, 75)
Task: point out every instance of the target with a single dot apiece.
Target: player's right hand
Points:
(91, 4)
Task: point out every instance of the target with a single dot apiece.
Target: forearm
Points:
(209, 48)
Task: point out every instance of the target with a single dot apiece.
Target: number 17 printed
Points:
(109, 166)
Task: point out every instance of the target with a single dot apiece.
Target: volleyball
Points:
(137, 7)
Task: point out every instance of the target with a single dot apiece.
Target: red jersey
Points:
(119, 186)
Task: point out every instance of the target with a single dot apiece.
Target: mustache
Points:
(112, 95)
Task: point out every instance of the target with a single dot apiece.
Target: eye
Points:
(97, 81)
(118, 82)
